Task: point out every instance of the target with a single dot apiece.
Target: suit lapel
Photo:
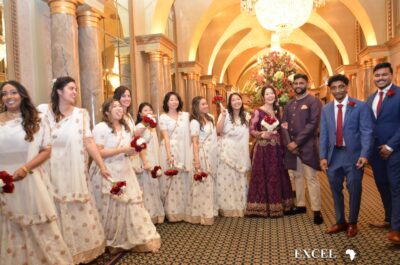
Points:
(384, 102)
(331, 116)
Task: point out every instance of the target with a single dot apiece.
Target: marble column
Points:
(90, 63)
(191, 89)
(125, 70)
(209, 97)
(64, 40)
(156, 81)
(167, 73)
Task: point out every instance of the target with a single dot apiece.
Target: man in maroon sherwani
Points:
(302, 115)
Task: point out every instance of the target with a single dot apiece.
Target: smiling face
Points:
(11, 98)
(300, 86)
(173, 102)
(203, 106)
(269, 96)
(339, 90)
(68, 93)
(126, 99)
(116, 112)
(383, 77)
(146, 111)
(236, 102)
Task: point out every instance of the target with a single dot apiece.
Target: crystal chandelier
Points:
(283, 16)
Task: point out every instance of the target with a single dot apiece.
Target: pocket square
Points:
(304, 107)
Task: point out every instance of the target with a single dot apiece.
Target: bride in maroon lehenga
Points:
(270, 192)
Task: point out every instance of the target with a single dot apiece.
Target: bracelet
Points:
(26, 170)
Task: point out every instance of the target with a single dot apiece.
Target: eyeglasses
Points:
(11, 93)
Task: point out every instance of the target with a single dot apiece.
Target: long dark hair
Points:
(242, 114)
(141, 107)
(119, 92)
(275, 105)
(106, 107)
(166, 99)
(29, 114)
(196, 115)
(59, 84)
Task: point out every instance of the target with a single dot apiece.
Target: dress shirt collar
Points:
(386, 89)
(344, 101)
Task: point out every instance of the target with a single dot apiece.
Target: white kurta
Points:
(234, 162)
(126, 222)
(29, 233)
(175, 190)
(201, 200)
(150, 185)
(79, 220)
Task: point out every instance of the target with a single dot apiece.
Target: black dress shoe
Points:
(318, 218)
(300, 209)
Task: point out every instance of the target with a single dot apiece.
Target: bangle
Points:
(25, 169)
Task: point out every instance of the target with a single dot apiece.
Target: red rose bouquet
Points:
(171, 172)
(118, 187)
(149, 121)
(156, 172)
(6, 182)
(200, 176)
(138, 143)
(218, 99)
(269, 123)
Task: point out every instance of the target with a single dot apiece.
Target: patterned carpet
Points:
(271, 241)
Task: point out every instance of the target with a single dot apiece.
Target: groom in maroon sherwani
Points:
(302, 115)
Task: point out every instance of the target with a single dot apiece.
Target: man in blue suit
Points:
(385, 159)
(345, 145)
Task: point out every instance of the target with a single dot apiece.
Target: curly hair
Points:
(30, 115)
(196, 115)
(106, 109)
(59, 84)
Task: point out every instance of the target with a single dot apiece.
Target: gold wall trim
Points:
(155, 56)
(88, 18)
(389, 19)
(15, 42)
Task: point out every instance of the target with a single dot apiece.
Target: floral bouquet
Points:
(171, 172)
(118, 187)
(156, 172)
(200, 176)
(138, 143)
(218, 99)
(6, 182)
(270, 123)
(149, 121)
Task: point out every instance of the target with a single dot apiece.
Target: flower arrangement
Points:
(138, 143)
(270, 123)
(149, 121)
(390, 93)
(218, 99)
(6, 182)
(352, 103)
(276, 69)
(200, 176)
(118, 187)
(156, 172)
(171, 172)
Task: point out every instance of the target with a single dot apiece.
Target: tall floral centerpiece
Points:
(276, 69)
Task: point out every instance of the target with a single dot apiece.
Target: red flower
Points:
(7, 185)
(138, 143)
(200, 176)
(155, 172)
(390, 93)
(269, 119)
(351, 104)
(148, 121)
(118, 187)
(171, 172)
(218, 99)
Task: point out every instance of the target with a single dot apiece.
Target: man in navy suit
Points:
(385, 159)
(345, 145)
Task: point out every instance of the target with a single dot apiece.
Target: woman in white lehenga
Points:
(126, 222)
(71, 139)
(151, 157)
(124, 97)
(234, 160)
(29, 233)
(175, 153)
(205, 159)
